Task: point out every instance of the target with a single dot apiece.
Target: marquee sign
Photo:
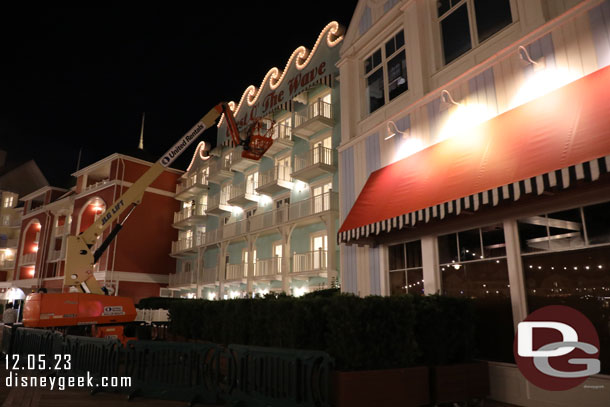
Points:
(303, 70)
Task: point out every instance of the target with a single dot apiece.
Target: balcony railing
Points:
(11, 221)
(61, 230)
(186, 213)
(96, 185)
(210, 237)
(209, 275)
(192, 185)
(316, 156)
(235, 228)
(279, 174)
(236, 271)
(268, 267)
(315, 110)
(56, 255)
(182, 245)
(328, 201)
(309, 261)
(282, 131)
(183, 278)
(8, 243)
(269, 219)
(7, 264)
(29, 258)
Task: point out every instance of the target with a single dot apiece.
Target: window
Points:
(566, 261)
(406, 272)
(284, 170)
(390, 62)
(9, 201)
(473, 265)
(459, 18)
(321, 197)
(252, 183)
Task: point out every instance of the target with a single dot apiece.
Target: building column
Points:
(331, 236)
(286, 233)
(518, 295)
(222, 266)
(431, 269)
(251, 241)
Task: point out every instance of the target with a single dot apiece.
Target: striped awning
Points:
(550, 143)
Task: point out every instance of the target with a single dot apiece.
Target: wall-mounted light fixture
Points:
(392, 130)
(526, 59)
(447, 101)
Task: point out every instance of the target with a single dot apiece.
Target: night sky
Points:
(75, 78)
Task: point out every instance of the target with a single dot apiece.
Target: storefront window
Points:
(406, 273)
(569, 264)
(473, 265)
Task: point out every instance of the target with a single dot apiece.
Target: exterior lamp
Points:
(392, 130)
(526, 59)
(447, 101)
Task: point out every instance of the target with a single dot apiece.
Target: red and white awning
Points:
(551, 142)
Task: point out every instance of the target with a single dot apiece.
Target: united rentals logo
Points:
(557, 348)
(180, 146)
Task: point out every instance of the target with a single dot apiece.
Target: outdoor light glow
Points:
(540, 83)
(300, 291)
(35, 248)
(233, 294)
(211, 296)
(265, 200)
(190, 295)
(262, 292)
(462, 120)
(32, 271)
(407, 147)
(299, 186)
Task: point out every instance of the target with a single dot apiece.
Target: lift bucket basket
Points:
(261, 139)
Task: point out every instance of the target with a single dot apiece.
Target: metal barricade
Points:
(281, 377)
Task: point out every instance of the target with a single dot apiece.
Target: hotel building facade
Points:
(474, 160)
(250, 227)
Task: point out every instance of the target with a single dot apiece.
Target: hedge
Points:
(360, 333)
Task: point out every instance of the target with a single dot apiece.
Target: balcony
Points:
(269, 219)
(315, 205)
(313, 262)
(183, 279)
(210, 237)
(218, 205)
(191, 187)
(11, 221)
(318, 116)
(277, 179)
(220, 170)
(209, 276)
(6, 264)
(97, 185)
(235, 272)
(282, 139)
(239, 163)
(9, 243)
(61, 230)
(314, 163)
(243, 195)
(28, 259)
(189, 216)
(268, 269)
(56, 255)
(184, 247)
(235, 229)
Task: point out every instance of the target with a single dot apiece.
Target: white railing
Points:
(269, 219)
(282, 131)
(216, 200)
(60, 230)
(314, 205)
(268, 267)
(8, 243)
(29, 258)
(316, 109)
(96, 185)
(220, 164)
(194, 179)
(5, 264)
(11, 221)
(181, 245)
(182, 278)
(55, 255)
(309, 261)
(236, 271)
(235, 228)
(198, 210)
(209, 275)
(273, 175)
(315, 156)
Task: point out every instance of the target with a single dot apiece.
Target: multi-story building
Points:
(251, 227)
(474, 162)
(135, 264)
(10, 221)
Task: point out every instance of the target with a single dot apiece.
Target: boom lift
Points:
(90, 306)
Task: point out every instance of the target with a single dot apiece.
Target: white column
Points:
(222, 252)
(431, 272)
(332, 249)
(384, 277)
(515, 272)
(250, 264)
